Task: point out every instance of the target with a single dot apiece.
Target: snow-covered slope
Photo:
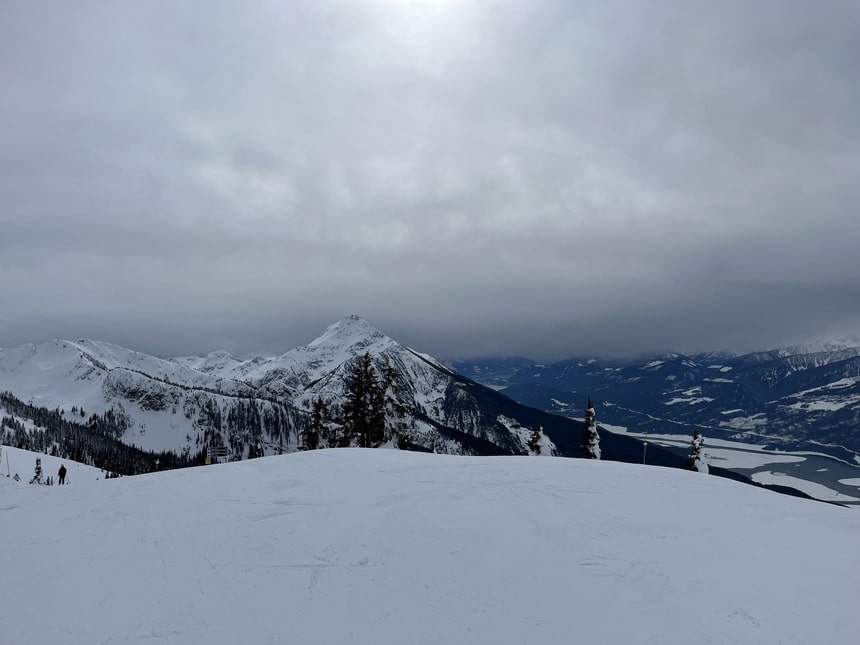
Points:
(386, 547)
(15, 461)
(161, 401)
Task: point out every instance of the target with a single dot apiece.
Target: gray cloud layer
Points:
(538, 177)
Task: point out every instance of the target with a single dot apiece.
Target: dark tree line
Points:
(247, 426)
(319, 428)
(94, 442)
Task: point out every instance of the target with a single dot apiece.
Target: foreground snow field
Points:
(388, 547)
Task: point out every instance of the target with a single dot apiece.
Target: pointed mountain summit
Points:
(290, 374)
(346, 339)
(349, 332)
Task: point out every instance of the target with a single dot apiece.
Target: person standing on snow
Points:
(62, 474)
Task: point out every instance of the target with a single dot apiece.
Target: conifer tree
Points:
(364, 409)
(590, 445)
(37, 476)
(535, 439)
(316, 429)
(696, 460)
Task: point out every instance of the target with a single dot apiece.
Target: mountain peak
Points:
(348, 332)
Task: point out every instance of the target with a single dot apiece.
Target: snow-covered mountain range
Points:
(189, 403)
(126, 411)
(780, 398)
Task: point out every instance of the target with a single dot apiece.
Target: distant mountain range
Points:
(186, 404)
(787, 399)
(169, 411)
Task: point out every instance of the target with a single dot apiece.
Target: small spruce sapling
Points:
(37, 476)
(535, 440)
(696, 460)
(590, 445)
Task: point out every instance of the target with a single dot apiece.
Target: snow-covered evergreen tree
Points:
(535, 439)
(37, 476)
(696, 461)
(590, 445)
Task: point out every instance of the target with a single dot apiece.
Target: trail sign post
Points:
(213, 454)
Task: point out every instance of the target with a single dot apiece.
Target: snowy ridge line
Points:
(256, 390)
(92, 359)
(194, 388)
(432, 362)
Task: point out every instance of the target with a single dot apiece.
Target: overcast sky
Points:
(538, 177)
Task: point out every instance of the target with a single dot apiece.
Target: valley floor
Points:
(818, 475)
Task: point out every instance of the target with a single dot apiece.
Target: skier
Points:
(62, 474)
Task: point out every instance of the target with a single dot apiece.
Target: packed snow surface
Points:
(387, 547)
